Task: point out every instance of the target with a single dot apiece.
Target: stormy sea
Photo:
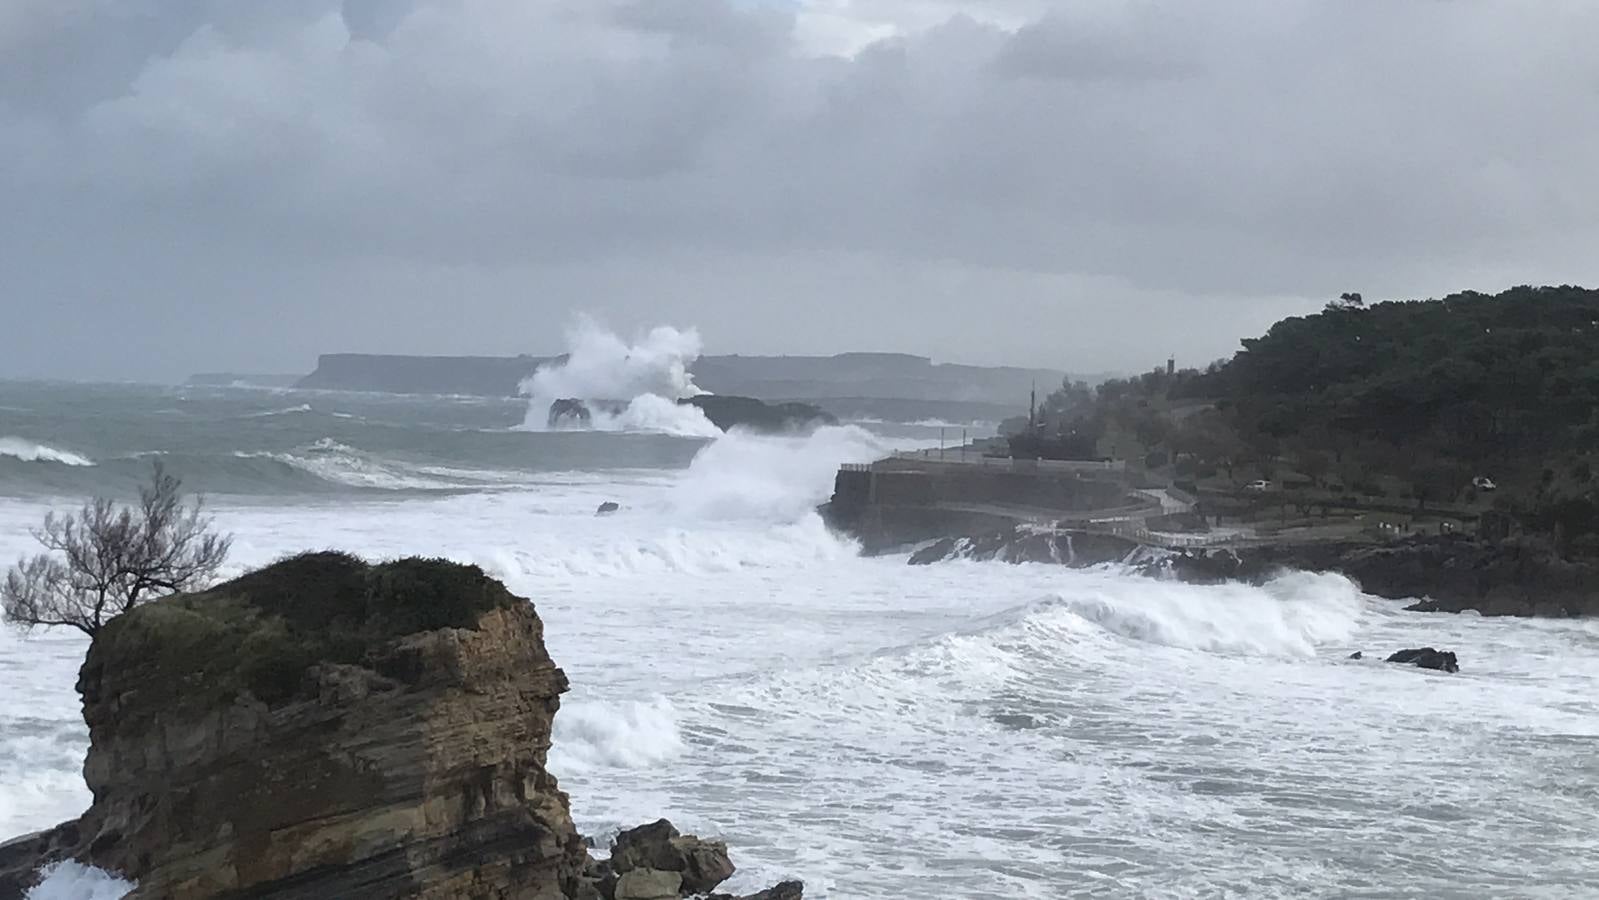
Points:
(878, 730)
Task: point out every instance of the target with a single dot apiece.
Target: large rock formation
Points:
(325, 728)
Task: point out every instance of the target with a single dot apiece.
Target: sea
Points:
(960, 730)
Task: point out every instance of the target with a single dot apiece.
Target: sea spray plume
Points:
(649, 376)
(772, 478)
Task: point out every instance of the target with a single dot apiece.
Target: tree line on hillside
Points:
(1419, 398)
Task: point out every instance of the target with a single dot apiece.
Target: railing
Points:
(959, 457)
(1163, 539)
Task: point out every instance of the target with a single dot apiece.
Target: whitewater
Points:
(964, 730)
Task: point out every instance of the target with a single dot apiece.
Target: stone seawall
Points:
(896, 503)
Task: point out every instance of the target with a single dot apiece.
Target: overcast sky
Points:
(1086, 184)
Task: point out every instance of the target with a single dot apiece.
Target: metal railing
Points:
(959, 457)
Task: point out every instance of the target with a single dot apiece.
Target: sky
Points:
(1091, 185)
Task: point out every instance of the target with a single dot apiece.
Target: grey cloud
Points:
(209, 157)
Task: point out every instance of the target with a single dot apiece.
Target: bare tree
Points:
(105, 559)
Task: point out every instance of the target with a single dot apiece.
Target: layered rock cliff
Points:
(327, 728)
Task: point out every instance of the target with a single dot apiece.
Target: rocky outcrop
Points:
(1019, 544)
(656, 862)
(1427, 658)
(325, 728)
(328, 728)
(1450, 574)
(608, 507)
(728, 412)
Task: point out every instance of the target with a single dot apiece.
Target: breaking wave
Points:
(626, 386)
(28, 451)
(627, 735)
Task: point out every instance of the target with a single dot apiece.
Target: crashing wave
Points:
(28, 451)
(621, 386)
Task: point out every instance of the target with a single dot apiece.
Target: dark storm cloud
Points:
(225, 184)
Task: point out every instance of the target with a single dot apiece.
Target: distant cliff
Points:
(485, 376)
(856, 378)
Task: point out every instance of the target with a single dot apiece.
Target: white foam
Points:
(29, 451)
(626, 735)
(72, 880)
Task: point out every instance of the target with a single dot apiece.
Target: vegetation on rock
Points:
(261, 632)
(105, 559)
(1412, 400)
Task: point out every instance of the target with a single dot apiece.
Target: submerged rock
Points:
(1427, 658)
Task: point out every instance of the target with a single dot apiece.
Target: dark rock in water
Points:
(1427, 658)
(728, 413)
(1356, 655)
(607, 508)
(649, 857)
(788, 890)
(568, 410)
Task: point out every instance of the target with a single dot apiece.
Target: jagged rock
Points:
(659, 846)
(1427, 658)
(649, 884)
(325, 728)
(608, 507)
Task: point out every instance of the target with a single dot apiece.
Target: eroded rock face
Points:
(324, 728)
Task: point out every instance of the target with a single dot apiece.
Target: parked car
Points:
(1260, 485)
(1483, 483)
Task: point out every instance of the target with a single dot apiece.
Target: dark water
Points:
(73, 439)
